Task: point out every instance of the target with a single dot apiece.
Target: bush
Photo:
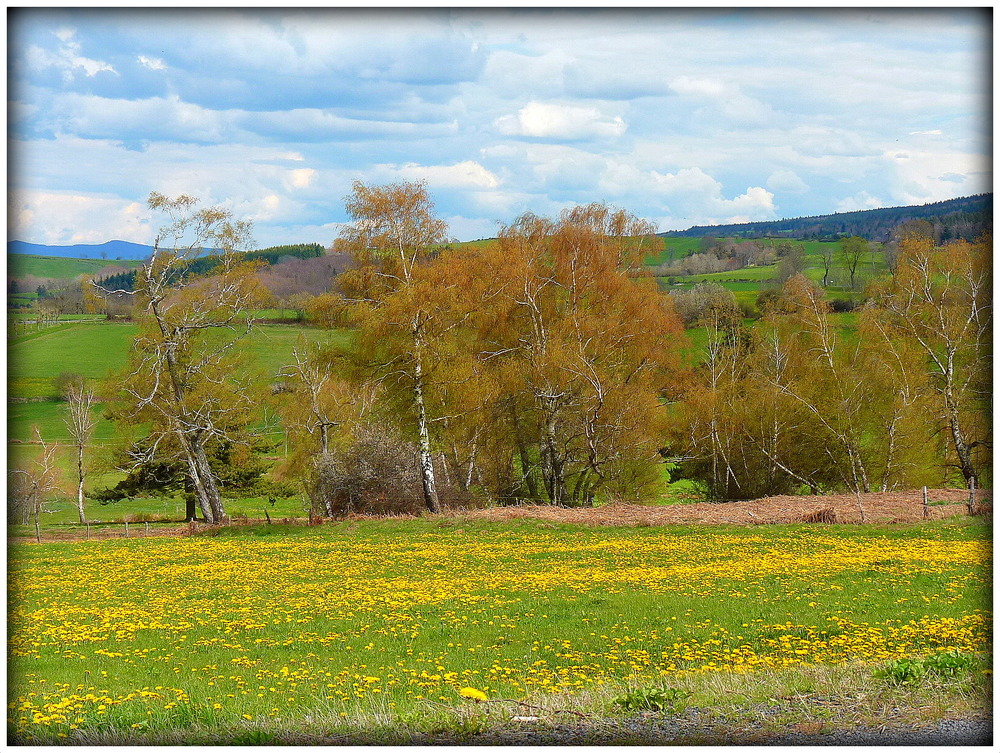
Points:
(373, 472)
(843, 305)
(912, 671)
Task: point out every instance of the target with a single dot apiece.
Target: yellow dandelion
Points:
(476, 695)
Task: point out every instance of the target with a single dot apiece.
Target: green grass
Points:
(94, 350)
(288, 629)
(20, 265)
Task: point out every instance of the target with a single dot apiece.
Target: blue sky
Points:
(682, 117)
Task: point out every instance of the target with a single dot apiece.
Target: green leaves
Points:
(913, 671)
(651, 699)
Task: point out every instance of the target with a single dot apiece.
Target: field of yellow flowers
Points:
(277, 626)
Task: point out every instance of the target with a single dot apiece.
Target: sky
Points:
(681, 117)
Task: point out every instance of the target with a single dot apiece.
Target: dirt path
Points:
(890, 507)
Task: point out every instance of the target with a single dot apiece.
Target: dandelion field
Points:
(275, 628)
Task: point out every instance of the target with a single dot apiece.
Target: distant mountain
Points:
(109, 250)
(966, 217)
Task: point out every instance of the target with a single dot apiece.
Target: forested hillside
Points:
(955, 219)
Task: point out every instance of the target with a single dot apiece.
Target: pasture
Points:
(59, 267)
(95, 350)
(255, 634)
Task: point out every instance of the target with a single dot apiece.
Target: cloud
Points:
(57, 218)
(552, 121)
(859, 201)
(465, 174)
(67, 58)
(724, 97)
(154, 64)
(784, 180)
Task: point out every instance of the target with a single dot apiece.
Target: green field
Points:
(271, 630)
(93, 350)
(21, 265)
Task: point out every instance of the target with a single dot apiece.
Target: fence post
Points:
(147, 528)
(126, 529)
(972, 495)
(927, 512)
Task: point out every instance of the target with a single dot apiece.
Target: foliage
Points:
(181, 389)
(651, 699)
(963, 218)
(913, 670)
(374, 471)
(939, 302)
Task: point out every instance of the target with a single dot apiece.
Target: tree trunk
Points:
(205, 488)
(426, 461)
(552, 465)
(79, 488)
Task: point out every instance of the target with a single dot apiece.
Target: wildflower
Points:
(476, 695)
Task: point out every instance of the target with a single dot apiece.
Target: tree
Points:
(31, 487)
(826, 255)
(80, 423)
(940, 301)
(852, 252)
(792, 261)
(577, 344)
(181, 379)
(393, 232)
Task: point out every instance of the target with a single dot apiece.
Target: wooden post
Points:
(972, 495)
(927, 512)
(147, 528)
(88, 530)
(126, 529)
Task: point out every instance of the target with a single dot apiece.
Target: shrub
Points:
(374, 471)
(843, 305)
(912, 671)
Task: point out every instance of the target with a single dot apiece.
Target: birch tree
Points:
(392, 234)
(940, 300)
(182, 379)
(80, 422)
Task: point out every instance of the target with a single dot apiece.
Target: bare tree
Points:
(181, 378)
(31, 487)
(80, 422)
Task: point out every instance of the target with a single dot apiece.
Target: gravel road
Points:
(689, 729)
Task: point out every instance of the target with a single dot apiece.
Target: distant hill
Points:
(966, 218)
(110, 250)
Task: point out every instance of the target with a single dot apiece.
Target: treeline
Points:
(796, 404)
(966, 218)
(204, 264)
(547, 368)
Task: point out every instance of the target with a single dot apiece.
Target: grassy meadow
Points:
(59, 267)
(381, 627)
(95, 350)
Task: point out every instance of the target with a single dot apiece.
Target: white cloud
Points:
(917, 177)
(859, 201)
(154, 64)
(65, 218)
(784, 180)
(467, 174)
(67, 58)
(301, 178)
(725, 97)
(552, 121)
